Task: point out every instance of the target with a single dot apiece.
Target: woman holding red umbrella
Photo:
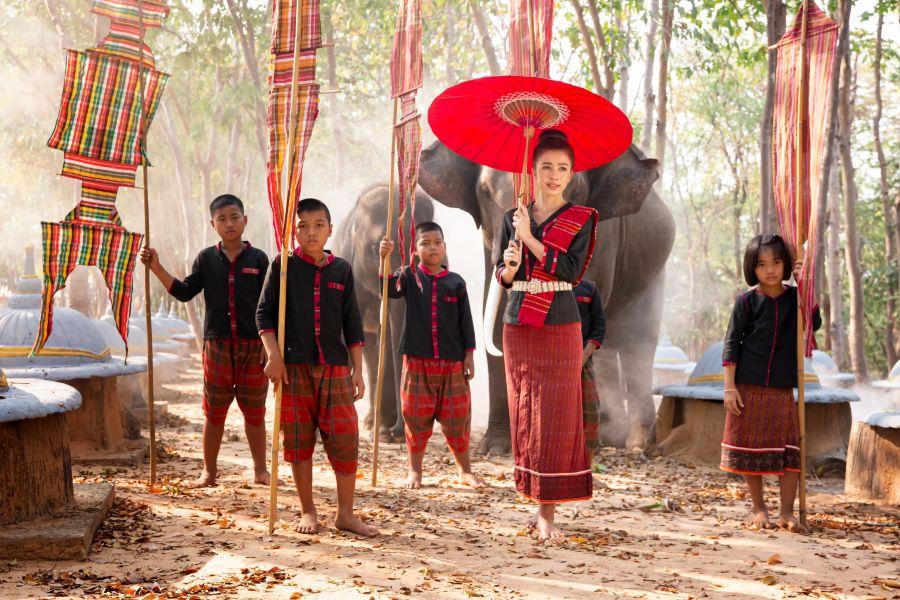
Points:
(542, 334)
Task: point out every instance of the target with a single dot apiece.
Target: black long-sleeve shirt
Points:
(564, 266)
(438, 321)
(590, 308)
(230, 290)
(762, 338)
(322, 317)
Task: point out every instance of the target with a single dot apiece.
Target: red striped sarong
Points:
(765, 438)
(543, 383)
(320, 397)
(590, 402)
(435, 389)
(233, 369)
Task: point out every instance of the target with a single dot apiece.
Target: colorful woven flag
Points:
(821, 38)
(521, 60)
(112, 249)
(406, 78)
(286, 14)
(522, 39)
(99, 126)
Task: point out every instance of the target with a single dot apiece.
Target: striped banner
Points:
(406, 57)
(285, 15)
(822, 34)
(124, 41)
(521, 59)
(99, 114)
(127, 11)
(111, 249)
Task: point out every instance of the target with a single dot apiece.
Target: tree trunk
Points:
(449, 41)
(873, 463)
(837, 330)
(624, 64)
(890, 250)
(588, 45)
(484, 36)
(828, 162)
(668, 14)
(851, 247)
(334, 107)
(775, 24)
(244, 31)
(605, 52)
(649, 97)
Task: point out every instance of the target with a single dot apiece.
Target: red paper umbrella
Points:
(491, 121)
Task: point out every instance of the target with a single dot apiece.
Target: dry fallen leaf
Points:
(775, 559)
(769, 580)
(888, 583)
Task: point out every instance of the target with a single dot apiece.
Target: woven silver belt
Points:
(535, 286)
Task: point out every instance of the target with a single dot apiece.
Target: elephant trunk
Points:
(490, 317)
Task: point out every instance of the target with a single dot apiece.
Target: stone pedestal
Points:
(873, 463)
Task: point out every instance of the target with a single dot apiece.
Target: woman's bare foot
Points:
(599, 485)
(548, 530)
(761, 520)
(206, 479)
(308, 523)
(471, 480)
(414, 481)
(532, 521)
(352, 523)
(790, 522)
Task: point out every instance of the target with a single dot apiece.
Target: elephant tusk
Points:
(490, 317)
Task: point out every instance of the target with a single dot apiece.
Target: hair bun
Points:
(553, 134)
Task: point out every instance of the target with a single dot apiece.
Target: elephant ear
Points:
(450, 179)
(619, 188)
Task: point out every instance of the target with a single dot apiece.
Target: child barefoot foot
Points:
(761, 519)
(308, 523)
(206, 479)
(352, 523)
(264, 478)
(790, 522)
(471, 480)
(414, 481)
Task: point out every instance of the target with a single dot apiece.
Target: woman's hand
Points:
(512, 257)
(798, 266)
(521, 221)
(733, 402)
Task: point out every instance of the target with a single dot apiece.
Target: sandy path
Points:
(449, 542)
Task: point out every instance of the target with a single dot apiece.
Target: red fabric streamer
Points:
(821, 38)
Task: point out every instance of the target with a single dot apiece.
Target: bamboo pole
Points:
(286, 239)
(382, 336)
(151, 414)
(800, 215)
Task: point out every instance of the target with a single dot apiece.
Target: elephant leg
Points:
(497, 440)
(613, 416)
(637, 351)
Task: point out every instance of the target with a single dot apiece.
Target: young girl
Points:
(762, 434)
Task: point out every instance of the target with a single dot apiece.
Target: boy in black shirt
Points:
(322, 322)
(230, 275)
(437, 344)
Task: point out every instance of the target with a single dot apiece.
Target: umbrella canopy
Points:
(489, 121)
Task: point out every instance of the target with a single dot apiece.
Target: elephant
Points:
(635, 237)
(356, 240)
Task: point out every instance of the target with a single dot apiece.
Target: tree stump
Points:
(35, 467)
(98, 423)
(873, 463)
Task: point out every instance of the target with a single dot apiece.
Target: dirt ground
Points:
(444, 541)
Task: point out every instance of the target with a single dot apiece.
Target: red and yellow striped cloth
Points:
(111, 249)
(286, 14)
(822, 35)
(406, 78)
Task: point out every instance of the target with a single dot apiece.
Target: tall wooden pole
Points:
(286, 239)
(151, 414)
(386, 271)
(800, 173)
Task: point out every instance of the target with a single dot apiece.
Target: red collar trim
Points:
(329, 257)
(427, 273)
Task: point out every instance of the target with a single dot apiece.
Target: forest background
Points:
(694, 77)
